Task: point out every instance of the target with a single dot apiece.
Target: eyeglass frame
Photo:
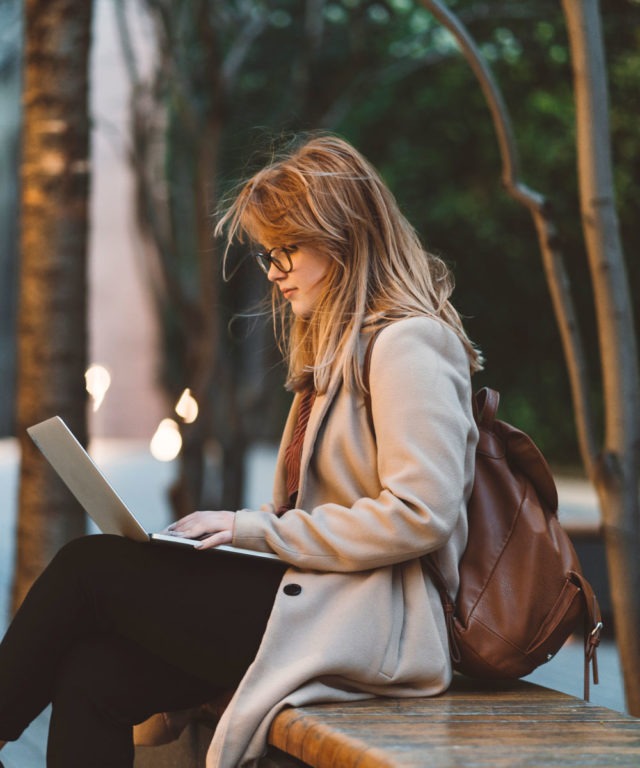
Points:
(265, 258)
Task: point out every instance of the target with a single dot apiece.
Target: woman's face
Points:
(302, 286)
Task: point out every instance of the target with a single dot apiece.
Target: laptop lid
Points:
(91, 488)
(85, 481)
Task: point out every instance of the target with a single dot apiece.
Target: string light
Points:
(187, 407)
(166, 443)
(98, 380)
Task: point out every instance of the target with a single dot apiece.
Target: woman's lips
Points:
(286, 292)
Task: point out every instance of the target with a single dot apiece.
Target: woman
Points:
(114, 630)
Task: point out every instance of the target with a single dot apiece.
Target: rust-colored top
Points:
(293, 453)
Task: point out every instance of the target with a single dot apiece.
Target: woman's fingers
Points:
(222, 537)
(201, 524)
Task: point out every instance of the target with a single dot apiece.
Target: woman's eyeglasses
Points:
(280, 257)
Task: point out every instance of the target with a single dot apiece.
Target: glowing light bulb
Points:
(98, 380)
(187, 407)
(166, 443)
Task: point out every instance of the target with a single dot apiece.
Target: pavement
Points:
(142, 482)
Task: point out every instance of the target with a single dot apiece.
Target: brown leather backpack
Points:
(522, 592)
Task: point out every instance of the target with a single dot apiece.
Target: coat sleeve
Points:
(425, 434)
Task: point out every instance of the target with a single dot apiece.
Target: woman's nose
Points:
(274, 273)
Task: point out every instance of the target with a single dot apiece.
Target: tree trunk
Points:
(615, 476)
(52, 347)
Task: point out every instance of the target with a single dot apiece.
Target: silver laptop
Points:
(92, 489)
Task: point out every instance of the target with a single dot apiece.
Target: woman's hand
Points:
(212, 528)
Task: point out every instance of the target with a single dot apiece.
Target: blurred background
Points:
(181, 384)
(169, 93)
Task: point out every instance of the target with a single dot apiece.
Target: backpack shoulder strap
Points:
(485, 404)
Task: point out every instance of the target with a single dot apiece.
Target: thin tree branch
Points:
(241, 46)
(367, 81)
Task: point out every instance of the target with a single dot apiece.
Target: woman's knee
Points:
(87, 553)
(92, 546)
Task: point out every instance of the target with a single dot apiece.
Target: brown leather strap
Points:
(485, 406)
(592, 629)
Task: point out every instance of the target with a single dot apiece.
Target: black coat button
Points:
(292, 589)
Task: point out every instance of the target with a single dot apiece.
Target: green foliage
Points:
(389, 78)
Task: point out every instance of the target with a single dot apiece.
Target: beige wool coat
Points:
(356, 616)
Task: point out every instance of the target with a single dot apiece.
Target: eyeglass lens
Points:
(279, 256)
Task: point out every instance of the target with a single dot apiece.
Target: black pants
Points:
(114, 631)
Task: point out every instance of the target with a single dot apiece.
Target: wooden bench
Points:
(501, 725)
(472, 725)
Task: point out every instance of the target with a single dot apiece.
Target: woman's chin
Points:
(301, 312)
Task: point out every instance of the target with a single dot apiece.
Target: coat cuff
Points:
(249, 529)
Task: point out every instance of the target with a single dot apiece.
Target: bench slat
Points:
(497, 725)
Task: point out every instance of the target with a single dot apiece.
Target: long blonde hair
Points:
(324, 194)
